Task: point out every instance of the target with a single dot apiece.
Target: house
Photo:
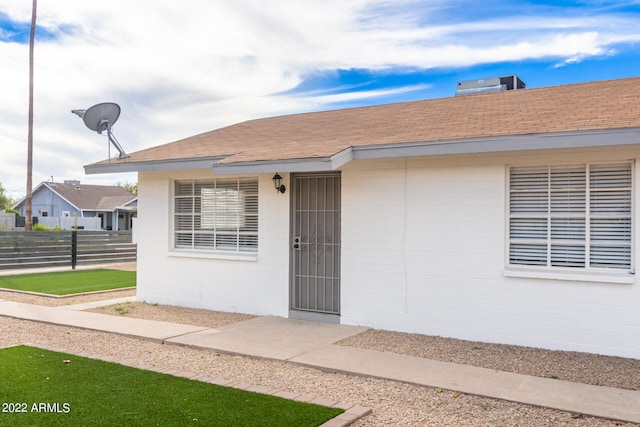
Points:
(505, 217)
(92, 207)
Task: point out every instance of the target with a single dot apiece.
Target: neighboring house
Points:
(92, 207)
(504, 217)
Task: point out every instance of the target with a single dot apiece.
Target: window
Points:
(573, 217)
(217, 215)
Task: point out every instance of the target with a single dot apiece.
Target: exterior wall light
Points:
(277, 183)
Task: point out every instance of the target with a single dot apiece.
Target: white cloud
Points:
(335, 98)
(180, 68)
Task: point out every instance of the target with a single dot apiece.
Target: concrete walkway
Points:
(313, 344)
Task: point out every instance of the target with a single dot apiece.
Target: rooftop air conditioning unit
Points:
(493, 84)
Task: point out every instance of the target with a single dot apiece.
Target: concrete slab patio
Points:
(313, 344)
(269, 337)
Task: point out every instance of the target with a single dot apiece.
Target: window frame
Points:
(587, 272)
(236, 237)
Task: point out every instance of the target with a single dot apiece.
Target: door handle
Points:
(296, 243)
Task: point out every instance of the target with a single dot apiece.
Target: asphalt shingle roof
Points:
(92, 197)
(611, 104)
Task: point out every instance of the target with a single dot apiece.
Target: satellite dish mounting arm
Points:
(104, 124)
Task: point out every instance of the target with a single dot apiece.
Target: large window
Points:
(573, 217)
(216, 215)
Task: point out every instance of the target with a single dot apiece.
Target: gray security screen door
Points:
(315, 244)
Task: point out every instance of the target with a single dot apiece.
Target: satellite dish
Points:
(101, 117)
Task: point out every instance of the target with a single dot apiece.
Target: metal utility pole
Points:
(28, 221)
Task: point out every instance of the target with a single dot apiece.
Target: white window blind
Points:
(576, 216)
(217, 215)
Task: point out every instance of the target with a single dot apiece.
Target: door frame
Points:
(298, 313)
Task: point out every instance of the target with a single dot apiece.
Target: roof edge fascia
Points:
(314, 164)
(135, 199)
(507, 143)
(153, 165)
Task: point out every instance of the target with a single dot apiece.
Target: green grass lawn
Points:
(70, 282)
(57, 389)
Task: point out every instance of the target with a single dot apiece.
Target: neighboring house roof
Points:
(92, 197)
(87, 197)
(474, 123)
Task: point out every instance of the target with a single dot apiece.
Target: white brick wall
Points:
(257, 286)
(423, 246)
(423, 250)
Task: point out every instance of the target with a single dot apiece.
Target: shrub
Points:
(40, 227)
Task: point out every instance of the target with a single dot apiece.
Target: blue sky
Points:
(181, 68)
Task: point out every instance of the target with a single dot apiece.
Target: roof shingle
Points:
(611, 104)
(92, 197)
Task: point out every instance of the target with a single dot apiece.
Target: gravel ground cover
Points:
(584, 368)
(393, 404)
(167, 313)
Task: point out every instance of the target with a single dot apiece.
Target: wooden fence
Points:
(35, 249)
